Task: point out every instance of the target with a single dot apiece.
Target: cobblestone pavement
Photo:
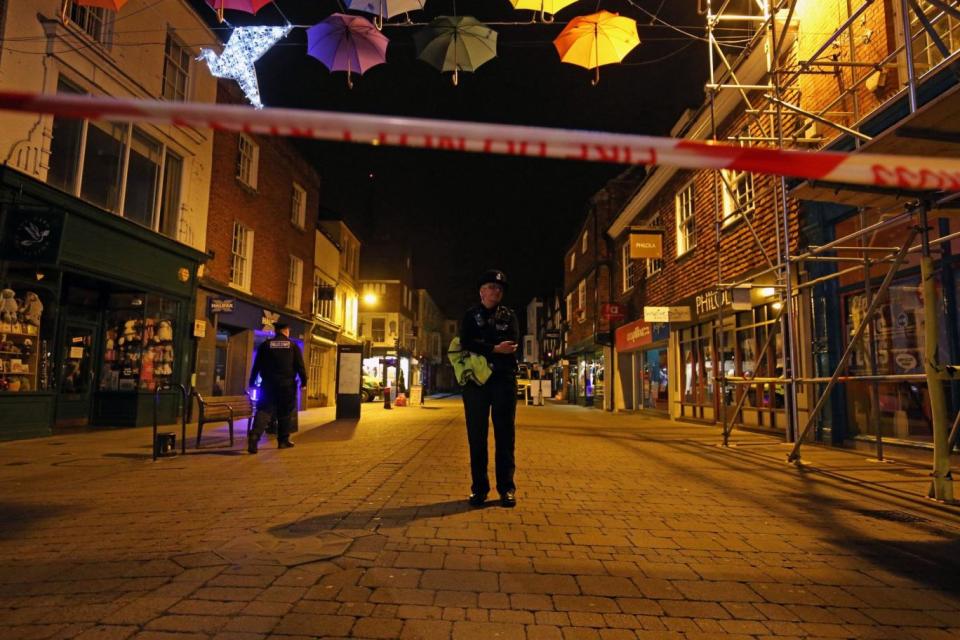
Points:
(626, 527)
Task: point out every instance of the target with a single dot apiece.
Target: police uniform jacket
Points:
(482, 329)
(277, 361)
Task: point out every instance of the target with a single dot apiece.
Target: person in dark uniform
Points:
(278, 363)
(491, 330)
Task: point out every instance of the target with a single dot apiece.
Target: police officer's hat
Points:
(494, 276)
(280, 326)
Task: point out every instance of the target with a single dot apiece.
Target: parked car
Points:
(370, 390)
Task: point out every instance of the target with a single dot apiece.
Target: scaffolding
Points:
(775, 118)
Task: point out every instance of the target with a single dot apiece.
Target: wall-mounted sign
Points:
(715, 299)
(646, 244)
(32, 234)
(199, 328)
(222, 305)
(611, 311)
(667, 314)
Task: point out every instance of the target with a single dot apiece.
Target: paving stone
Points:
(487, 631)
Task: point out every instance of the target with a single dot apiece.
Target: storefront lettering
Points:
(713, 301)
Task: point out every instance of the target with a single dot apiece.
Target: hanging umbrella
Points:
(456, 43)
(385, 8)
(597, 39)
(110, 5)
(347, 43)
(542, 6)
(247, 6)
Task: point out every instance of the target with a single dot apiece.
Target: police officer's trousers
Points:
(496, 398)
(280, 401)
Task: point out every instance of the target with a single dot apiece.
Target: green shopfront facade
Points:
(97, 312)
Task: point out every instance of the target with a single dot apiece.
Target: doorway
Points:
(75, 383)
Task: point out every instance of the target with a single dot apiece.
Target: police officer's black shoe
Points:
(508, 499)
(285, 444)
(251, 445)
(477, 499)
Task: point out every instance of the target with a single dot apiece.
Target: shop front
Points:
(321, 357)
(95, 313)
(392, 367)
(237, 326)
(642, 349)
(587, 364)
(728, 329)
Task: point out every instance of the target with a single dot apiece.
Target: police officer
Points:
(491, 330)
(277, 362)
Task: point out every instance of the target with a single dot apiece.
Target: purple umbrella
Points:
(347, 43)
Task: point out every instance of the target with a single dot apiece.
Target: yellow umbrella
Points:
(596, 39)
(543, 6)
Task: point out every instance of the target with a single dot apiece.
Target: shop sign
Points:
(611, 311)
(222, 305)
(199, 328)
(716, 299)
(634, 335)
(667, 314)
(32, 234)
(552, 334)
(646, 244)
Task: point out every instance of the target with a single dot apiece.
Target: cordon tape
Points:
(901, 172)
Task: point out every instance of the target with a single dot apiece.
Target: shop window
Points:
(176, 69)
(143, 179)
(96, 23)
(379, 329)
(313, 373)
(248, 161)
(686, 222)
(241, 254)
(294, 282)
(139, 346)
(629, 268)
(298, 208)
(27, 311)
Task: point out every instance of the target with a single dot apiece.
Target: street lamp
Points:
(370, 298)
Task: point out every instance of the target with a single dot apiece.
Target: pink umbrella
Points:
(347, 43)
(111, 5)
(247, 6)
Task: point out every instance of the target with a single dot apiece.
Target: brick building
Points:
(731, 239)
(261, 228)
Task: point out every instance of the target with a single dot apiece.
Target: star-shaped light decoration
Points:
(245, 46)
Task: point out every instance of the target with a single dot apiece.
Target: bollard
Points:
(386, 398)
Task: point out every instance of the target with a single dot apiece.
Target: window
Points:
(379, 329)
(323, 297)
(582, 300)
(117, 167)
(583, 243)
(298, 209)
(294, 282)
(573, 260)
(96, 23)
(241, 255)
(655, 265)
(926, 54)
(570, 307)
(143, 179)
(176, 70)
(248, 161)
(686, 223)
(629, 267)
(738, 194)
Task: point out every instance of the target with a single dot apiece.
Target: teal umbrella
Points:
(456, 43)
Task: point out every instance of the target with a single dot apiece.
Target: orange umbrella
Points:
(597, 39)
(111, 5)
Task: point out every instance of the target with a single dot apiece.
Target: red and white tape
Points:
(904, 172)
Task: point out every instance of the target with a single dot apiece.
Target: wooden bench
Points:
(222, 409)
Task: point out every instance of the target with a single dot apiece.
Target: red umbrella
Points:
(247, 6)
(111, 5)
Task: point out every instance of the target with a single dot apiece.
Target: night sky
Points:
(464, 213)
